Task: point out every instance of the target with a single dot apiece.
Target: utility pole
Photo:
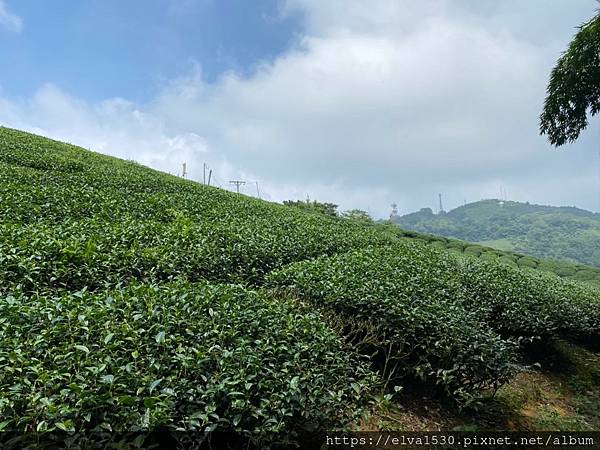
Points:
(209, 176)
(257, 190)
(184, 172)
(441, 207)
(237, 184)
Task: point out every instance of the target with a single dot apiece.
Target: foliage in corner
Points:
(574, 87)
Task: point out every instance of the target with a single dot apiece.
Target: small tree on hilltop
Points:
(358, 215)
(329, 209)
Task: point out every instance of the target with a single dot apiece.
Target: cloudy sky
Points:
(361, 103)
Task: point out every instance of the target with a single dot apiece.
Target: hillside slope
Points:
(132, 301)
(560, 233)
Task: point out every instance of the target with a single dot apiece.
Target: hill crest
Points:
(563, 233)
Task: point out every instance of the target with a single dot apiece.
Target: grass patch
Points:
(563, 394)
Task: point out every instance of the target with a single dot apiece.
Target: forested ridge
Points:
(559, 233)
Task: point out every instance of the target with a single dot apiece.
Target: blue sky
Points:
(361, 103)
(103, 48)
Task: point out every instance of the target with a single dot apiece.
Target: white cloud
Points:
(115, 126)
(373, 105)
(9, 20)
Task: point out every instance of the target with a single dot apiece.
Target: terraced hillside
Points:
(563, 269)
(134, 302)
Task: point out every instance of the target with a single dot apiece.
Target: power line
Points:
(237, 184)
(213, 177)
(217, 181)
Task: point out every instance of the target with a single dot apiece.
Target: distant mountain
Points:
(563, 233)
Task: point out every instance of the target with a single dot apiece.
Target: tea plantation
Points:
(133, 301)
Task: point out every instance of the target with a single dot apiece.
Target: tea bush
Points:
(445, 314)
(183, 356)
(564, 269)
(529, 303)
(413, 296)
